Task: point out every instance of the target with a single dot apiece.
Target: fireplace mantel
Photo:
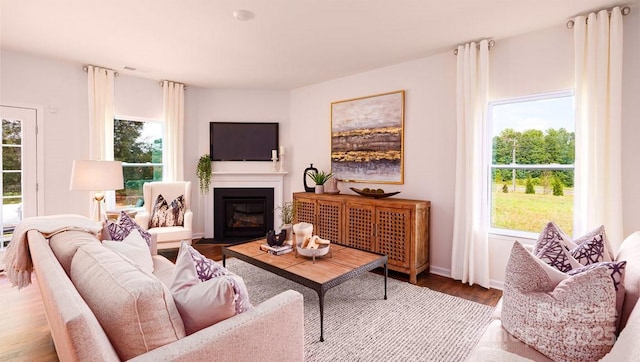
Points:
(240, 179)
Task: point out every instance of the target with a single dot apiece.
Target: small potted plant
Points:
(287, 214)
(204, 173)
(319, 177)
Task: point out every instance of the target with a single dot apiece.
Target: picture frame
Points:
(367, 138)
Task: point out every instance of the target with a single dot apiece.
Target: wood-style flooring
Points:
(25, 336)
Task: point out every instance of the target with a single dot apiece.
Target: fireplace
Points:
(241, 213)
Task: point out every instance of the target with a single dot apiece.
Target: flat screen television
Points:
(242, 141)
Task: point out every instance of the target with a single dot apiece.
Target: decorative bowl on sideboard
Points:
(373, 193)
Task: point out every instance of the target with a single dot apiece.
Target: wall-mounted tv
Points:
(242, 141)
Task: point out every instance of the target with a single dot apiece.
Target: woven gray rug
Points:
(413, 324)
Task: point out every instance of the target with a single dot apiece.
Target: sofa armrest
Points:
(188, 220)
(248, 336)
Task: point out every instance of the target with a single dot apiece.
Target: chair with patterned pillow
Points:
(167, 212)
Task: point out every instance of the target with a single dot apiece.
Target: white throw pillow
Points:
(135, 248)
(204, 291)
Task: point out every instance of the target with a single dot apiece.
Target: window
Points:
(533, 152)
(138, 144)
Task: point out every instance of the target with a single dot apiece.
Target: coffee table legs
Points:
(321, 298)
(386, 272)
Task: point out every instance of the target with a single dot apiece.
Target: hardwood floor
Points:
(25, 336)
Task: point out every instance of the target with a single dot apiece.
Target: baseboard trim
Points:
(493, 283)
(440, 271)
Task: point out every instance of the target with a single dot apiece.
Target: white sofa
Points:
(79, 336)
(497, 344)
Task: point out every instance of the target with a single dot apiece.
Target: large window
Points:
(533, 152)
(138, 144)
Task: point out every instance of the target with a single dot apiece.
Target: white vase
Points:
(319, 189)
(302, 231)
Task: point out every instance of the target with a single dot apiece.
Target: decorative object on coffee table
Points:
(274, 239)
(313, 246)
(287, 213)
(375, 193)
(319, 177)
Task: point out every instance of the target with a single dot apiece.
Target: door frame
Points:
(39, 149)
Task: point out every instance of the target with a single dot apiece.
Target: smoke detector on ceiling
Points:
(243, 15)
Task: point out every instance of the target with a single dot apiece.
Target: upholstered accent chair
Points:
(168, 237)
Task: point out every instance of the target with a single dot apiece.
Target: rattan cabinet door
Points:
(393, 233)
(329, 220)
(305, 210)
(359, 226)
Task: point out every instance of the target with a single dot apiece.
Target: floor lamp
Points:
(96, 176)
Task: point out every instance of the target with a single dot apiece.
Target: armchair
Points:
(168, 237)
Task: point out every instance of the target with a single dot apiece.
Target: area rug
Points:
(413, 324)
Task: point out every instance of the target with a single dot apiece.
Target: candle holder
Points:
(281, 169)
(275, 163)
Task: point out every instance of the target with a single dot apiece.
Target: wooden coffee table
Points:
(341, 264)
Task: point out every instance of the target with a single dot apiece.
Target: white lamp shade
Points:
(89, 175)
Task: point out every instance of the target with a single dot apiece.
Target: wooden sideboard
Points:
(398, 228)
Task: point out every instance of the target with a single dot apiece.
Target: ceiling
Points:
(289, 43)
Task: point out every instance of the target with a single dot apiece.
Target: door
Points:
(18, 164)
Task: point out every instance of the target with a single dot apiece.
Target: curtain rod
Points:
(184, 86)
(85, 68)
(625, 11)
(492, 43)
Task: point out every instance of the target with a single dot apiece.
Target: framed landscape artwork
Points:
(367, 139)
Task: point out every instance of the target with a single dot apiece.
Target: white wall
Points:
(60, 88)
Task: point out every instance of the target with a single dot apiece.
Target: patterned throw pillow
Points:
(204, 291)
(164, 214)
(571, 319)
(555, 248)
(591, 248)
(121, 229)
(551, 247)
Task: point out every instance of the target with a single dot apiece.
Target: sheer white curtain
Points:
(598, 77)
(470, 246)
(100, 86)
(173, 98)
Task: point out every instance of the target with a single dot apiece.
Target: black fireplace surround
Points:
(241, 213)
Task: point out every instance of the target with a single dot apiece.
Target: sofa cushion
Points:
(65, 244)
(630, 251)
(120, 229)
(135, 309)
(164, 214)
(204, 291)
(133, 247)
(571, 320)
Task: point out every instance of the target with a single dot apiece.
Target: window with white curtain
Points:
(532, 163)
(138, 144)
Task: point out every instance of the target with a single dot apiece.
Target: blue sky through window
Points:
(542, 114)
